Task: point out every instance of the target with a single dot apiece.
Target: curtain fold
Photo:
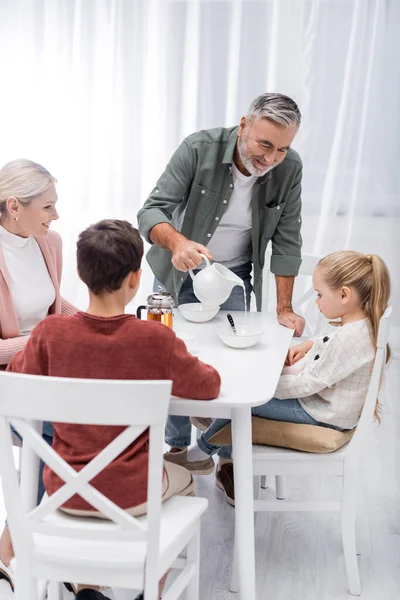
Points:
(103, 91)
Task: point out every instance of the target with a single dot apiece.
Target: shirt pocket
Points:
(201, 203)
(272, 214)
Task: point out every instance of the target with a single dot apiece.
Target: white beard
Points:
(252, 169)
(249, 165)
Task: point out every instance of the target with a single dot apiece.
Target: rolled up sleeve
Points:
(171, 189)
(286, 241)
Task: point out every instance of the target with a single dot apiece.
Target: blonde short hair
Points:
(23, 179)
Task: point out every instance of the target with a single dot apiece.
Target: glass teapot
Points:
(159, 308)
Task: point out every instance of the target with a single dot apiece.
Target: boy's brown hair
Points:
(107, 252)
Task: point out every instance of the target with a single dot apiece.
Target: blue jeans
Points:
(289, 410)
(178, 429)
(47, 435)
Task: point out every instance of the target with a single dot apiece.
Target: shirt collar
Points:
(230, 149)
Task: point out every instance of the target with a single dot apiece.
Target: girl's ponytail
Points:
(379, 297)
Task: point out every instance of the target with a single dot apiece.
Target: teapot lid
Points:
(160, 299)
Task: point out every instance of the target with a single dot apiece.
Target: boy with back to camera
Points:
(106, 343)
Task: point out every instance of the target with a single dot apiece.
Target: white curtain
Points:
(102, 92)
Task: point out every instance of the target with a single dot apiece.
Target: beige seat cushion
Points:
(309, 438)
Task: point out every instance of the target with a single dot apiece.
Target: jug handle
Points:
(192, 275)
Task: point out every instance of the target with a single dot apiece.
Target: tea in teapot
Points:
(159, 308)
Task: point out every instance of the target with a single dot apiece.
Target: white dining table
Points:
(249, 378)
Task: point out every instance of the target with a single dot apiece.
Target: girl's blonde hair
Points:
(23, 179)
(369, 276)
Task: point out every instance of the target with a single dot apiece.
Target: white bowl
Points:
(243, 338)
(197, 312)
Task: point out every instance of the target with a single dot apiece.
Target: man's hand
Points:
(186, 254)
(290, 319)
(298, 352)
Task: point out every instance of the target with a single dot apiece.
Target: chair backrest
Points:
(303, 294)
(136, 405)
(368, 410)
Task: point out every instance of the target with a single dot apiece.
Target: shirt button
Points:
(208, 234)
(157, 190)
(231, 185)
(225, 202)
(299, 220)
(278, 208)
(181, 278)
(217, 218)
(203, 191)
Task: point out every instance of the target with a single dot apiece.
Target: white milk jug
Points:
(213, 284)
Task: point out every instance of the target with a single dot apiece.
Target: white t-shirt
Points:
(231, 242)
(32, 290)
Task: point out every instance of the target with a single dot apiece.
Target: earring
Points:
(15, 218)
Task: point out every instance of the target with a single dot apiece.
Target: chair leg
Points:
(256, 487)
(264, 483)
(54, 591)
(280, 487)
(25, 585)
(359, 535)
(151, 584)
(256, 494)
(349, 504)
(193, 556)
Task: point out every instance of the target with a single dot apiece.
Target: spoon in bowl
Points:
(231, 322)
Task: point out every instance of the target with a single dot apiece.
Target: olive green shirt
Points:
(197, 185)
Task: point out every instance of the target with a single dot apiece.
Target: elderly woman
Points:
(30, 274)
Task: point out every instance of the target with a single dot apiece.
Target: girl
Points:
(328, 387)
(30, 274)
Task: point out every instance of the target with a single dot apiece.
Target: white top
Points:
(231, 242)
(333, 384)
(32, 290)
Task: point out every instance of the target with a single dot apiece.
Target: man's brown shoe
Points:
(225, 481)
(199, 467)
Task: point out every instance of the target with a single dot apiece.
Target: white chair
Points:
(304, 305)
(344, 463)
(122, 551)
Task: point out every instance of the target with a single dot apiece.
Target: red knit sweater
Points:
(121, 347)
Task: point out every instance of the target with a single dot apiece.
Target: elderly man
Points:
(226, 193)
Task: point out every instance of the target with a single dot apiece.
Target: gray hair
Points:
(24, 180)
(276, 107)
